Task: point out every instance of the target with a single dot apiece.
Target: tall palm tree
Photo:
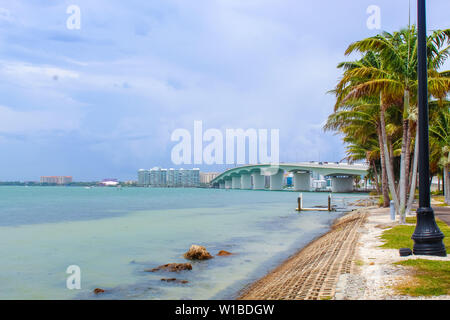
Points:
(440, 145)
(394, 80)
(359, 121)
(367, 78)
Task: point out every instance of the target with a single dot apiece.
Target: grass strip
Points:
(400, 236)
(429, 278)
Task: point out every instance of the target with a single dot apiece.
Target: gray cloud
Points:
(137, 70)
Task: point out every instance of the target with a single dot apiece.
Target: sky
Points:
(102, 101)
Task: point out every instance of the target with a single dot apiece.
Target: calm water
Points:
(114, 234)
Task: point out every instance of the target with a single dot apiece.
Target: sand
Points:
(312, 273)
(376, 273)
(346, 263)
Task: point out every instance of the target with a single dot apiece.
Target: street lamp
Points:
(427, 236)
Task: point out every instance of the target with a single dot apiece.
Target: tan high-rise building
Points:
(56, 179)
(206, 177)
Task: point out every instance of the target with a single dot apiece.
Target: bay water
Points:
(114, 234)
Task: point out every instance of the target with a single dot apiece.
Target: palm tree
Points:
(358, 120)
(394, 79)
(440, 145)
(367, 78)
(370, 61)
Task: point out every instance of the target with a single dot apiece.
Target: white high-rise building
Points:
(158, 177)
(143, 177)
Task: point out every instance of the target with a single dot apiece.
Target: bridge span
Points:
(253, 176)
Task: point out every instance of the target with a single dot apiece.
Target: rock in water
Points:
(174, 280)
(98, 290)
(224, 253)
(197, 253)
(172, 267)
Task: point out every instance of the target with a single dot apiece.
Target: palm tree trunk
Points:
(408, 159)
(412, 190)
(403, 173)
(375, 176)
(391, 158)
(412, 151)
(384, 182)
(444, 182)
(389, 168)
(447, 182)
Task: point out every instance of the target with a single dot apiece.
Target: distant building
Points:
(206, 177)
(320, 182)
(143, 177)
(109, 182)
(289, 181)
(56, 179)
(158, 177)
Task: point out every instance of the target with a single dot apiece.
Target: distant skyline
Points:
(102, 101)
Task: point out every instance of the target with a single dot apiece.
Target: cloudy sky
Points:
(102, 101)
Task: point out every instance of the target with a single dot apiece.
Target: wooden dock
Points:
(300, 205)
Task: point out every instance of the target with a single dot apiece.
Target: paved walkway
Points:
(376, 274)
(312, 273)
(443, 213)
(326, 268)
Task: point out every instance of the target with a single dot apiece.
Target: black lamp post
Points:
(427, 236)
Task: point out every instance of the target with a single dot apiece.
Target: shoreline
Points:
(376, 273)
(313, 271)
(346, 263)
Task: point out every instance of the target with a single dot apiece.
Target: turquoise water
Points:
(113, 234)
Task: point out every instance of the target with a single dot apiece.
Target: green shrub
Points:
(380, 201)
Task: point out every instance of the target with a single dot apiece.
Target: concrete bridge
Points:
(253, 176)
